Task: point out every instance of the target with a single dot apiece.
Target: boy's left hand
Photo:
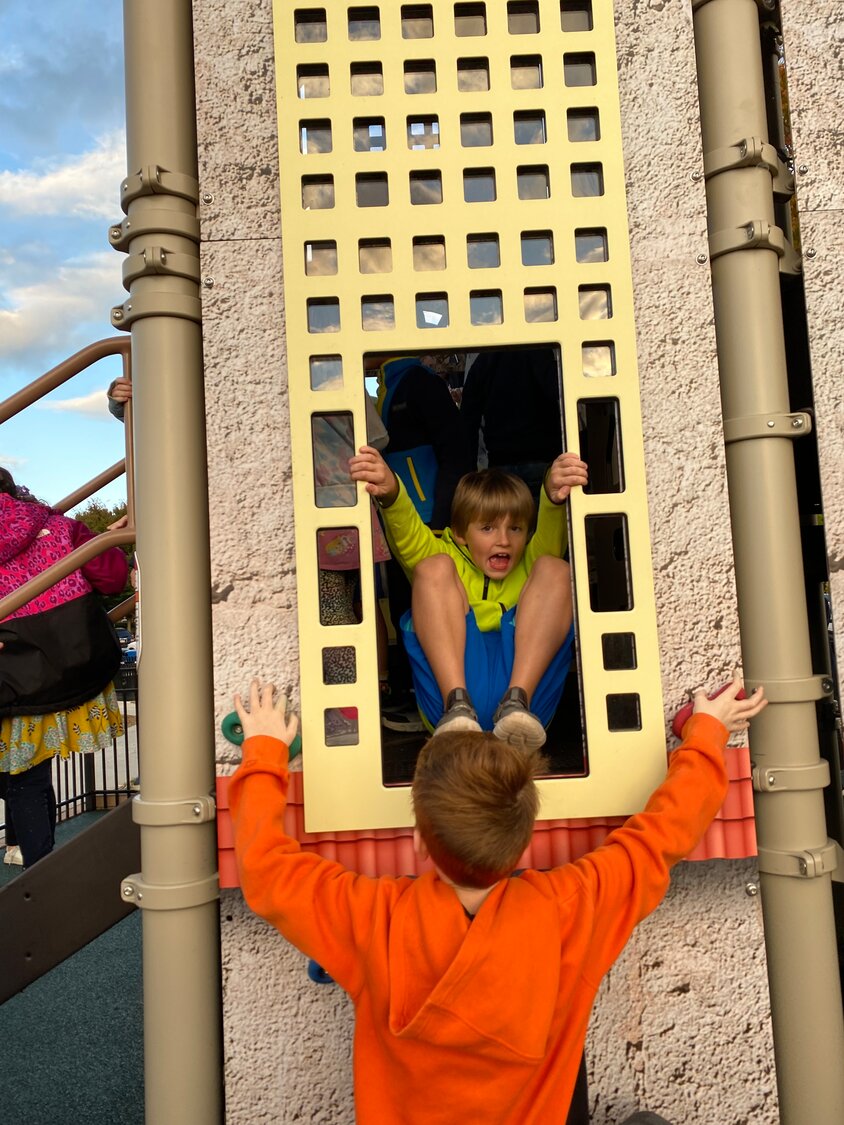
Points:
(264, 716)
(566, 472)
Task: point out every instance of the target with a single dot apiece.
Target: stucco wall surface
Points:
(813, 34)
(687, 1004)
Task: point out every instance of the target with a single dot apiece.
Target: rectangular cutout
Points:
(333, 443)
(431, 310)
(537, 248)
(341, 726)
(624, 711)
(540, 305)
(371, 189)
(420, 76)
(317, 193)
(310, 26)
(472, 75)
(579, 69)
(326, 372)
(598, 359)
(576, 15)
(423, 132)
(533, 182)
(366, 79)
(479, 185)
(483, 251)
(469, 19)
(486, 307)
(377, 314)
(426, 188)
(339, 665)
(429, 254)
(587, 181)
(315, 137)
(594, 302)
(583, 125)
(599, 429)
(591, 245)
(369, 134)
(619, 651)
(523, 17)
(526, 72)
(320, 258)
(476, 130)
(364, 24)
(323, 314)
(608, 562)
(375, 255)
(417, 21)
(312, 81)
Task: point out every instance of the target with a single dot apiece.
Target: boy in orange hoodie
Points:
(472, 985)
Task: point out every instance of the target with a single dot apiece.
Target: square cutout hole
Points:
(312, 81)
(341, 726)
(579, 69)
(537, 248)
(486, 306)
(591, 245)
(533, 182)
(426, 188)
(326, 372)
(624, 711)
(594, 302)
(540, 305)
(417, 21)
(529, 127)
(523, 17)
(377, 314)
(339, 665)
(310, 26)
(483, 251)
(587, 181)
(472, 75)
(320, 258)
(366, 79)
(423, 132)
(583, 125)
(323, 314)
(431, 310)
(576, 15)
(364, 24)
(420, 76)
(469, 19)
(429, 254)
(598, 359)
(369, 134)
(375, 255)
(479, 185)
(372, 189)
(619, 651)
(314, 136)
(476, 130)
(526, 72)
(317, 193)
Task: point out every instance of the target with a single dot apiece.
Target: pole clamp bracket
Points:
(156, 304)
(809, 864)
(755, 234)
(180, 224)
(159, 260)
(199, 810)
(155, 180)
(751, 426)
(750, 152)
(169, 896)
(805, 690)
(782, 779)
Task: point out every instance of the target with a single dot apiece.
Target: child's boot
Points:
(459, 713)
(515, 724)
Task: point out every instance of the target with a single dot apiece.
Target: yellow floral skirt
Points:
(27, 740)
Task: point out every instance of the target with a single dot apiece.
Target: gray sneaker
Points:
(514, 723)
(459, 713)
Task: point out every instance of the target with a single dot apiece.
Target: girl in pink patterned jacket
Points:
(58, 655)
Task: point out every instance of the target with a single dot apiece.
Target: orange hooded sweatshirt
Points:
(461, 1021)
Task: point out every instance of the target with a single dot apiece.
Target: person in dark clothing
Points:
(512, 398)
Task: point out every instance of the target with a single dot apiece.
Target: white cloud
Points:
(94, 405)
(12, 463)
(54, 315)
(85, 185)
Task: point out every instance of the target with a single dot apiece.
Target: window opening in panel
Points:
(417, 21)
(624, 711)
(339, 664)
(529, 127)
(594, 302)
(429, 253)
(364, 23)
(320, 258)
(369, 134)
(423, 132)
(598, 359)
(533, 182)
(540, 305)
(310, 26)
(313, 81)
(479, 185)
(537, 248)
(426, 188)
(469, 19)
(587, 180)
(431, 310)
(366, 79)
(420, 76)
(583, 125)
(315, 136)
(599, 430)
(486, 306)
(323, 314)
(326, 372)
(375, 255)
(591, 245)
(317, 193)
(579, 69)
(473, 75)
(476, 130)
(576, 15)
(619, 651)
(333, 442)
(505, 412)
(341, 726)
(526, 72)
(608, 563)
(372, 189)
(482, 251)
(377, 314)
(523, 17)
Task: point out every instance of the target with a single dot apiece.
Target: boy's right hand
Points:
(370, 467)
(728, 709)
(264, 716)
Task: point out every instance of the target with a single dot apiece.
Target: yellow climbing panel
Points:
(452, 180)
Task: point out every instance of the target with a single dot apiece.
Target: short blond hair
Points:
(475, 801)
(486, 495)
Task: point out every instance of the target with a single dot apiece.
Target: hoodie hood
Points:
(459, 985)
(20, 524)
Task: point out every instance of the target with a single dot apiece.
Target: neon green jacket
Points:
(411, 542)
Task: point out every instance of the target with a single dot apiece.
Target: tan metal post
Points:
(795, 856)
(177, 888)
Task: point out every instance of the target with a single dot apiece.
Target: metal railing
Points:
(98, 781)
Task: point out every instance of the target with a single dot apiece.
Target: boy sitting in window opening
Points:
(472, 983)
(489, 634)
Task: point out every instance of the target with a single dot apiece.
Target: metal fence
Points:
(95, 782)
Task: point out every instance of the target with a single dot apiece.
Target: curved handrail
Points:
(63, 567)
(118, 612)
(112, 345)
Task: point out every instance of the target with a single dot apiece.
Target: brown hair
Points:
(475, 802)
(484, 496)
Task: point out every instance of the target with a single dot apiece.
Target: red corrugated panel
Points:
(389, 851)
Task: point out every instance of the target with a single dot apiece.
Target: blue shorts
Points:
(488, 665)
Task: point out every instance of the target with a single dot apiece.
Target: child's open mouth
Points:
(499, 562)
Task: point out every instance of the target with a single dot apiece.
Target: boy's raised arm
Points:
(370, 467)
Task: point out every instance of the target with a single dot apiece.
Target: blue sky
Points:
(62, 157)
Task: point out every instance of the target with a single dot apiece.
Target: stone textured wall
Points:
(681, 1025)
(813, 34)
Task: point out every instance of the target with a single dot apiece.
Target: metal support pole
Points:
(177, 887)
(795, 856)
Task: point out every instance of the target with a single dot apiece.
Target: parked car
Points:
(124, 636)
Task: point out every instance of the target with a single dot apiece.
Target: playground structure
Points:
(233, 256)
